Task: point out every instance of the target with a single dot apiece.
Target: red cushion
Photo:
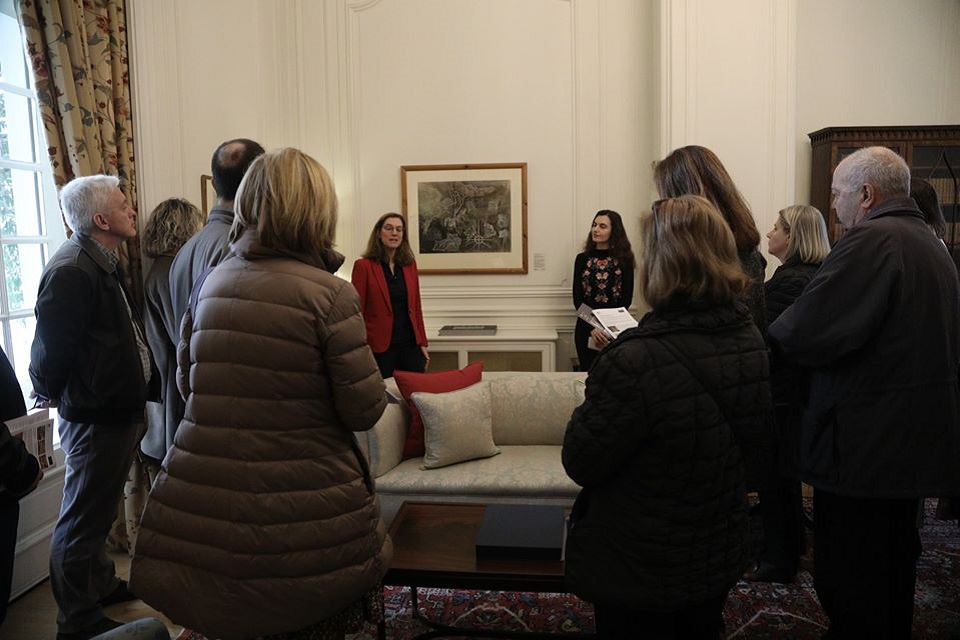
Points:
(441, 382)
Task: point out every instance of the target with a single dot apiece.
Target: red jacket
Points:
(375, 302)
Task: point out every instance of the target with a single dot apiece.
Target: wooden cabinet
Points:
(508, 350)
(933, 154)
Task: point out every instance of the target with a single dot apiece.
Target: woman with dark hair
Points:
(799, 240)
(658, 534)
(696, 170)
(388, 282)
(171, 224)
(263, 522)
(928, 201)
(602, 278)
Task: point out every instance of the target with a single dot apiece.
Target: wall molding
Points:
(282, 36)
(157, 114)
(585, 98)
(782, 152)
(679, 21)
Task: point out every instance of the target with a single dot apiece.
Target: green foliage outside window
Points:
(8, 221)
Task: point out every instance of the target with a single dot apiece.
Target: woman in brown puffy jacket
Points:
(263, 521)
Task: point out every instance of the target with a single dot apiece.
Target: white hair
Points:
(877, 166)
(81, 198)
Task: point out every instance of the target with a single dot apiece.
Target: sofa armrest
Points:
(383, 444)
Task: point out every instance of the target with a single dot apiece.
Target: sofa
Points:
(528, 413)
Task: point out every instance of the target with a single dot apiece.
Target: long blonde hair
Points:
(808, 239)
(288, 197)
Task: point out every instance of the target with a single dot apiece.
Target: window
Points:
(30, 227)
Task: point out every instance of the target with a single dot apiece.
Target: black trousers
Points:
(698, 622)
(865, 564)
(404, 358)
(781, 504)
(581, 335)
(9, 518)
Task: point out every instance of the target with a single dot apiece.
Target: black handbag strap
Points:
(195, 292)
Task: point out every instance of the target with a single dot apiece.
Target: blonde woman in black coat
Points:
(799, 240)
(671, 410)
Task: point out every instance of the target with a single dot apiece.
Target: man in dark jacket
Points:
(879, 326)
(209, 247)
(19, 475)
(90, 359)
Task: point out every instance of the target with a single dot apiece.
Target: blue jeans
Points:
(143, 629)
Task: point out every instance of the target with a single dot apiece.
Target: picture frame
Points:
(466, 218)
(207, 194)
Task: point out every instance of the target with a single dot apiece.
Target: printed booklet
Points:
(613, 322)
(36, 431)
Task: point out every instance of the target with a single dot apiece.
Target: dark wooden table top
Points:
(434, 546)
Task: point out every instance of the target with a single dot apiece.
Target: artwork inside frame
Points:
(208, 197)
(466, 218)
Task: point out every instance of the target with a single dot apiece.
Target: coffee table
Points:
(433, 546)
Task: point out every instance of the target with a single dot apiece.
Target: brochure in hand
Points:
(613, 322)
(36, 431)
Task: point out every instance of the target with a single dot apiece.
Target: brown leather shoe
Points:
(100, 626)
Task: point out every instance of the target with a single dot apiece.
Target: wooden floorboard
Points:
(33, 616)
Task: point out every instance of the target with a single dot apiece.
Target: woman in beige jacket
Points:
(263, 521)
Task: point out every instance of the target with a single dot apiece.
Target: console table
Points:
(507, 350)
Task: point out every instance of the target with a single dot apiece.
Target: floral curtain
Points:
(78, 50)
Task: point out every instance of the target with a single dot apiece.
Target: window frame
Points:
(48, 221)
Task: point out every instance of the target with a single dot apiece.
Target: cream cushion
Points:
(457, 425)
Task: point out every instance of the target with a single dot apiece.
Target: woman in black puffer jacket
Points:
(799, 240)
(674, 410)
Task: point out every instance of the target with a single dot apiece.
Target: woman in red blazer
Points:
(389, 286)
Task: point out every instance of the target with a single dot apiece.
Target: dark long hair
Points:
(697, 171)
(619, 242)
(926, 198)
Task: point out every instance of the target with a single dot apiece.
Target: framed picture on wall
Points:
(466, 218)
(207, 194)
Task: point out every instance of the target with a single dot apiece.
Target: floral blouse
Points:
(600, 281)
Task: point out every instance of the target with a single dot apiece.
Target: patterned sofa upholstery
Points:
(530, 411)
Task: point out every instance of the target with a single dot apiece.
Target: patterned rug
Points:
(753, 610)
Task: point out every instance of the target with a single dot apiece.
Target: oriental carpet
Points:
(753, 611)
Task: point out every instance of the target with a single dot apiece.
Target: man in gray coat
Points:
(209, 247)
(878, 327)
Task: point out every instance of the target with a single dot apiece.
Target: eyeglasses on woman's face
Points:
(390, 227)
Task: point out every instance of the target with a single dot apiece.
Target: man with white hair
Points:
(878, 327)
(90, 360)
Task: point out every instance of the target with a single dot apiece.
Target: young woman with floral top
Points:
(602, 278)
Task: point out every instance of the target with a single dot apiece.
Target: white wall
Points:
(588, 92)
(567, 86)
(874, 62)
